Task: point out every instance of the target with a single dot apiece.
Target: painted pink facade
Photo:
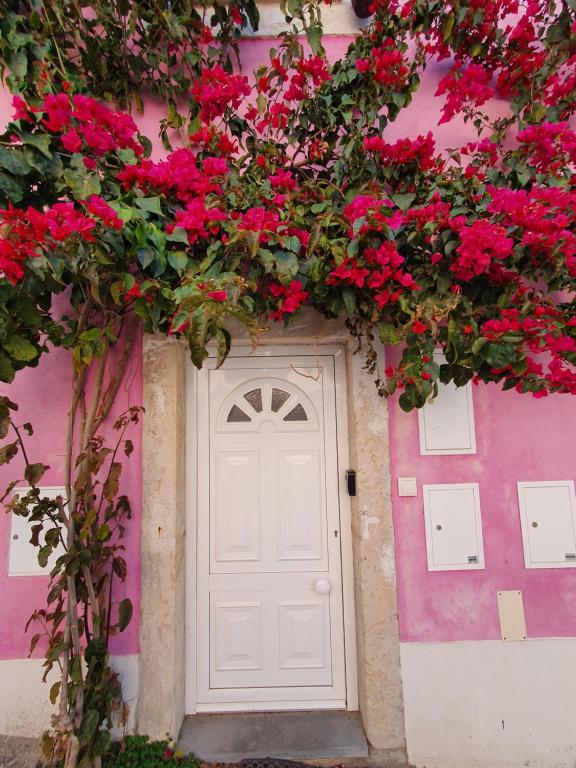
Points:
(42, 395)
(518, 438)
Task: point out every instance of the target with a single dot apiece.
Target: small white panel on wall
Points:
(548, 519)
(23, 556)
(453, 527)
(446, 425)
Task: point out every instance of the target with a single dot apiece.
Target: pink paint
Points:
(511, 442)
(43, 395)
(518, 438)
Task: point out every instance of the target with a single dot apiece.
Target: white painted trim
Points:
(337, 19)
(191, 537)
(342, 439)
(271, 706)
(426, 489)
(522, 486)
(195, 457)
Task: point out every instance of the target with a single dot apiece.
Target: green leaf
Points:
(149, 204)
(13, 160)
(224, 342)
(90, 723)
(388, 333)
(500, 355)
(178, 260)
(287, 264)
(54, 692)
(124, 614)
(82, 184)
(196, 334)
(40, 141)
(146, 256)
(7, 372)
(43, 555)
(314, 37)
(18, 64)
(103, 532)
(404, 201)
(34, 473)
(50, 167)
(537, 112)
(179, 235)
(7, 452)
(112, 481)
(349, 301)
(406, 402)
(20, 348)
(10, 187)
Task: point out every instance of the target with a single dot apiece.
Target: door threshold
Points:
(302, 736)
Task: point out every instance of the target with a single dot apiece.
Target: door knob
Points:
(322, 586)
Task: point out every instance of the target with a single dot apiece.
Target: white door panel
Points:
(270, 619)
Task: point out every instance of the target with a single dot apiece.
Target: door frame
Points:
(338, 352)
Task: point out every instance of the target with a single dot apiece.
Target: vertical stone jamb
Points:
(161, 700)
(377, 637)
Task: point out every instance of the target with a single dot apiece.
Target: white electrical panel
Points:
(23, 556)
(453, 527)
(446, 424)
(548, 519)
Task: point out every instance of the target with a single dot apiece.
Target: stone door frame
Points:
(161, 703)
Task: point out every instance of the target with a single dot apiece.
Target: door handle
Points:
(322, 586)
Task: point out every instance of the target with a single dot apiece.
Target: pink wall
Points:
(518, 438)
(43, 395)
(432, 606)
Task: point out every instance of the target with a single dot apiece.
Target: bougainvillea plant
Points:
(283, 191)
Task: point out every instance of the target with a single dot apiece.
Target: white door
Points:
(270, 620)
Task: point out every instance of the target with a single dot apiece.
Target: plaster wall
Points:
(517, 438)
(490, 704)
(25, 707)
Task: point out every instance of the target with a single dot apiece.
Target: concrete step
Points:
(317, 735)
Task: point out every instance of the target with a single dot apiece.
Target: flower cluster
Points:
(182, 173)
(83, 123)
(216, 91)
(483, 246)
(420, 150)
(29, 233)
(463, 87)
(387, 64)
(291, 297)
(550, 147)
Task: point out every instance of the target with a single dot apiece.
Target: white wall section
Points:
(490, 704)
(25, 707)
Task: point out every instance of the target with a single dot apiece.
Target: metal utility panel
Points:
(548, 519)
(453, 527)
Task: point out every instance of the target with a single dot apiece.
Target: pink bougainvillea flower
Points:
(217, 295)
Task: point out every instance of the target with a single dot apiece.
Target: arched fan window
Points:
(267, 400)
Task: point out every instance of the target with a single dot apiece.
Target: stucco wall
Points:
(518, 438)
(43, 395)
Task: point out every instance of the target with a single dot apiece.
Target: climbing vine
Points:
(283, 191)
